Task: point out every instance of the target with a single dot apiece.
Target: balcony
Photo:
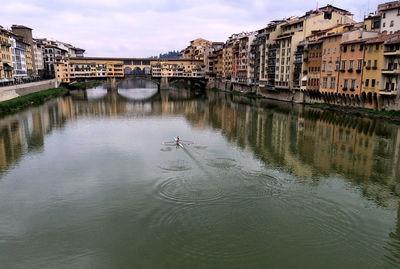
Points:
(350, 70)
(388, 92)
(342, 70)
(352, 89)
(6, 44)
(329, 73)
(358, 71)
(391, 53)
(390, 71)
(344, 89)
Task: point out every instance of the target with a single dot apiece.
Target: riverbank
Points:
(390, 115)
(36, 98)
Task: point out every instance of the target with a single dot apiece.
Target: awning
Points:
(7, 67)
(304, 78)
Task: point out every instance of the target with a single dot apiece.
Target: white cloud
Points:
(145, 28)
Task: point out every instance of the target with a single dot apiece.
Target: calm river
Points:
(85, 182)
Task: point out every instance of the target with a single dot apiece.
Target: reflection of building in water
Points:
(10, 144)
(307, 143)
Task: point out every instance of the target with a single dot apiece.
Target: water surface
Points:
(86, 182)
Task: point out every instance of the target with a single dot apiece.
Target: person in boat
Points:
(178, 140)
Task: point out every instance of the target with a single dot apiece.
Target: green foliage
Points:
(30, 99)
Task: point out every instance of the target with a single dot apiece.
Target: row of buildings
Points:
(24, 58)
(323, 54)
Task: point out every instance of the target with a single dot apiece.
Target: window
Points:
(344, 48)
(353, 84)
(369, 64)
(334, 51)
(323, 66)
(325, 82)
(351, 64)
(333, 83)
(343, 65)
(384, 15)
(377, 47)
(367, 83)
(384, 24)
(391, 23)
(353, 48)
(336, 65)
(359, 64)
(329, 51)
(346, 82)
(361, 47)
(373, 83)
(375, 63)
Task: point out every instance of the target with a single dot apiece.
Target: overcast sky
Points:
(137, 28)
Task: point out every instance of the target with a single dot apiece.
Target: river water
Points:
(85, 182)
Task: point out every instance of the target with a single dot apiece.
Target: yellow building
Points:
(177, 68)
(196, 49)
(6, 70)
(29, 60)
(372, 23)
(372, 70)
(67, 70)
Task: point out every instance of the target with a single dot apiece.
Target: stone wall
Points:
(309, 97)
(10, 92)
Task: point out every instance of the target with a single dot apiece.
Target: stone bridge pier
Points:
(112, 84)
(164, 84)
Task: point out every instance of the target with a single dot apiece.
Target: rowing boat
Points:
(178, 143)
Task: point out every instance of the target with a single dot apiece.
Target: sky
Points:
(137, 28)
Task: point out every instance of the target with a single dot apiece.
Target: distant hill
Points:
(169, 55)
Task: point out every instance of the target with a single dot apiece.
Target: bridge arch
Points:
(127, 70)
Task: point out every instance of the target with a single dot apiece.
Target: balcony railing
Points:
(358, 71)
(390, 71)
(388, 92)
(391, 52)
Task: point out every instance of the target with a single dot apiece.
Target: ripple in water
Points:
(176, 166)
(215, 233)
(222, 163)
(200, 147)
(188, 190)
(253, 185)
(318, 222)
(167, 149)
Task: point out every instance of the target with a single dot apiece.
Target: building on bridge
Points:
(69, 69)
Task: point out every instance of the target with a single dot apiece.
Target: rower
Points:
(178, 140)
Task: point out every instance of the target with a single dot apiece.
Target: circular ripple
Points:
(251, 185)
(176, 166)
(216, 233)
(223, 163)
(317, 222)
(188, 190)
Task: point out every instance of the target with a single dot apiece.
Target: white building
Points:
(390, 16)
(38, 56)
(18, 50)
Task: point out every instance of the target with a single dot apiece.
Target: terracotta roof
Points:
(382, 38)
(356, 41)
(330, 35)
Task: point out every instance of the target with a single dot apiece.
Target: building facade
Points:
(6, 69)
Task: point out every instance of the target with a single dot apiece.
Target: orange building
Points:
(351, 65)
(331, 58)
(314, 65)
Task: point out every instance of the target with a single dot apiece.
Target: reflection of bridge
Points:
(163, 83)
